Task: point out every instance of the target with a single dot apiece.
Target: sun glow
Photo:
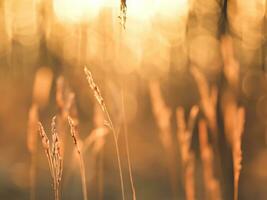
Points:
(76, 10)
(79, 10)
(172, 8)
(140, 9)
(143, 10)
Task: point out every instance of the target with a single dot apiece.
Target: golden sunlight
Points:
(76, 10)
(133, 99)
(144, 10)
(141, 10)
(172, 8)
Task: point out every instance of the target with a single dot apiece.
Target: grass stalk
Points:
(127, 147)
(163, 114)
(211, 184)
(102, 104)
(75, 137)
(184, 137)
(55, 160)
(237, 151)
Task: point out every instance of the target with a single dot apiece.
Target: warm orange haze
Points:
(133, 100)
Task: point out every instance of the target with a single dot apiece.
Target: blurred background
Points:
(171, 53)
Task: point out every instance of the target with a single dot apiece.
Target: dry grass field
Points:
(133, 100)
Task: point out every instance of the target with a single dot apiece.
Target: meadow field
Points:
(133, 100)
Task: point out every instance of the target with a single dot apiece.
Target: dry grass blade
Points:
(212, 189)
(184, 136)
(208, 99)
(101, 102)
(127, 147)
(234, 118)
(95, 141)
(46, 146)
(75, 138)
(94, 88)
(237, 152)
(54, 157)
(162, 114)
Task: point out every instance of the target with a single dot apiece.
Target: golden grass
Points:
(162, 114)
(237, 151)
(127, 147)
(184, 137)
(208, 104)
(211, 184)
(100, 100)
(75, 138)
(208, 100)
(234, 119)
(53, 155)
(234, 115)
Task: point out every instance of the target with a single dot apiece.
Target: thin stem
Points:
(56, 191)
(235, 187)
(117, 150)
(127, 146)
(51, 168)
(75, 137)
(82, 170)
(100, 100)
